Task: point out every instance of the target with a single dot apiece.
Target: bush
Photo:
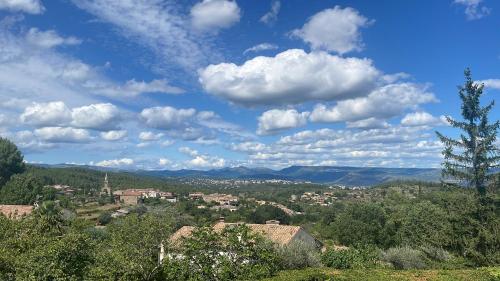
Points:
(404, 258)
(361, 257)
(299, 255)
(104, 218)
(436, 254)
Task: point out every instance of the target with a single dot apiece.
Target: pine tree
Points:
(472, 156)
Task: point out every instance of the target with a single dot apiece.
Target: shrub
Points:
(299, 255)
(104, 218)
(361, 257)
(404, 258)
(436, 253)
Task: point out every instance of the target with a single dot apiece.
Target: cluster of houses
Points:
(222, 201)
(322, 199)
(136, 196)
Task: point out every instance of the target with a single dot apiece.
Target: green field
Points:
(315, 274)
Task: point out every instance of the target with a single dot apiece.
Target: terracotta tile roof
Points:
(279, 234)
(16, 211)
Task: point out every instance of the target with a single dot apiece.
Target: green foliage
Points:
(130, 247)
(11, 161)
(471, 157)
(361, 257)
(266, 212)
(299, 255)
(361, 224)
(104, 218)
(404, 258)
(424, 223)
(25, 189)
(234, 254)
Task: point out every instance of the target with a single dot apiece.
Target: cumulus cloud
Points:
(385, 102)
(392, 146)
(369, 123)
(46, 114)
(292, 76)
(212, 15)
(114, 135)
(271, 16)
(150, 136)
(102, 116)
(49, 38)
(276, 120)
(62, 135)
(491, 83)
(202, 161)
(261, 47)
(473, 9)
(123, 162)
(166, 117)
(25, 6)
(422, 118)
(334, 30)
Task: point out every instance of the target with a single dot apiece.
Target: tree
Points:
(471, 157)
(266, 212)
(25, 189)
(11, 160)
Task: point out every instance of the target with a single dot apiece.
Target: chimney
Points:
(273, 222)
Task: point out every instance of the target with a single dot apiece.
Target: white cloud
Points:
(150, 136)
(292, 76)
(62, 134)
(134, 88)
(49, 38)
(385, 102)
(422, 118)
(335, 30)
(164, 162)
(30, 72)
(46, 114)
(166, 117)
(271, 16)
(261, 47)
(276, 120)
(212, 15)
(473, 9)
(158, 25)
(201, 160)
(123, 162)
(369, 123)
(26, 6)
(114, 135)
(491, 83)
(102, 116)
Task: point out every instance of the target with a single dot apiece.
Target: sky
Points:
(204, 84)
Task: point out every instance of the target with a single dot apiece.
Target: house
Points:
(16, 211)
(195, 195)
(168, 196)
(129, 196)
(221, 199)
(281, 235)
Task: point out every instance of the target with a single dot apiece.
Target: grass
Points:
(313, 274)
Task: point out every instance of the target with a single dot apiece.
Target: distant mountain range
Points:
(350, 176)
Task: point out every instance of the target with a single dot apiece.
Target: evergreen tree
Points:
(11, 160)
(471, 157)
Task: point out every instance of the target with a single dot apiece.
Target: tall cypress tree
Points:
(471, 157)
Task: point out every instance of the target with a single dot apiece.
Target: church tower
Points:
(106, 190)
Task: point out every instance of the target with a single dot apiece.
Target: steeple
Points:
(106, 190)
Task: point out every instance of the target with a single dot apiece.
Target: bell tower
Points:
(106, 190)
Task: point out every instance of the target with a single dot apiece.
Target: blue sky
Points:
(214, 83)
